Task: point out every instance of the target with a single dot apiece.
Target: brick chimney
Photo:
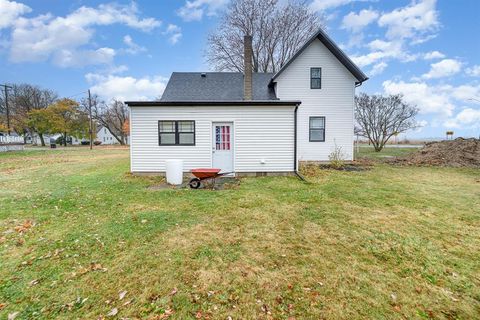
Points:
(247, 72)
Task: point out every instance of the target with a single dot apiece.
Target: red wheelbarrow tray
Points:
(203, 173)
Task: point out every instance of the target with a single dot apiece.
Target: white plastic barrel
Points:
(174, 169)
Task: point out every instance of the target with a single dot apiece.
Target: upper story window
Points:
(317, 129)
(315, 78)
(176, 132)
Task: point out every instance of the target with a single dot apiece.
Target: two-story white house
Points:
(106, 137)
(251, 122)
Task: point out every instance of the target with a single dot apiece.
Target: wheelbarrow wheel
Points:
(195, 183)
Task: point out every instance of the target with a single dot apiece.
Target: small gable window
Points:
(181, 133)
(315, 78)
(317, 129)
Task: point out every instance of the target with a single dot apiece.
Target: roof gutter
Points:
(359, 83)
(212, 103)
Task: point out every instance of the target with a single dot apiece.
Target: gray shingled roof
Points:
(223, 86)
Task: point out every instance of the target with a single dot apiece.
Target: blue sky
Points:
(426, 49)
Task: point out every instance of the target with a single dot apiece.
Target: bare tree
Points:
(111, 116)
(379, 118)
(278, 30)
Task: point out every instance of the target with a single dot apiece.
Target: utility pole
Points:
(6, 106)
(90, 117)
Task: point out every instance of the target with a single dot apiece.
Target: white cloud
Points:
(132, 47)
(126, 88)
(440, 100)
(427, 99)
(45, 36)
(370, 58)
(174, 32)
(78, 58)
(444, 68)
(413, 21)
(474, 71)
(378, 69)
(195, 10)
(117, 69)
(404, 27)
(383, 50)
(467, 118)
(322, 5)
(462, 93)
(433, 55)
(422, 123)
(172, 28)
(10, 11)
(175, 38)
(356, 22)
(107, 14)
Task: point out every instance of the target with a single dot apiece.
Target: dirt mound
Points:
(451, 153)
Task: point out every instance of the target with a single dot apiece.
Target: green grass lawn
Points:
(387, 152)
(386, 243)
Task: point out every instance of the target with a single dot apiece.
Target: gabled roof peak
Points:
(337, 52)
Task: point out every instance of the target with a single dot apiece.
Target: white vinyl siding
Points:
(260, 134)
(334, 101)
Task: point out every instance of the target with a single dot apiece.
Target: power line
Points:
(77, 94)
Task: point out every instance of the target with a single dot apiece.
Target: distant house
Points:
(51, 138)
(106, 137)
(251, 122)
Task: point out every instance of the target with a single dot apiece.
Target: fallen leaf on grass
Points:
(2, 305)
(113, 312)
(121, 295)
(265, 309)
(126, 303)
(33, 282)
(27, 263)
(165, 315)
(97, 267)
(198, 315)
(174, 292)
(13, 315)
(27, 224)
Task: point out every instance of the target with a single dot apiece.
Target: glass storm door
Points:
(222, 146)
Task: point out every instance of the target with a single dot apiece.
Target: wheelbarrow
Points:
(202, 174)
